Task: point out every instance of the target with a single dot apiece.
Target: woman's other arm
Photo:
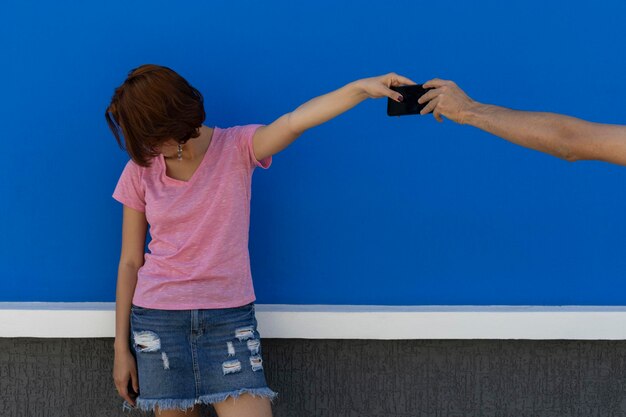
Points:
(134, 229)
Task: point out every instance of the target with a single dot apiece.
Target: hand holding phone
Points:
(409, 104)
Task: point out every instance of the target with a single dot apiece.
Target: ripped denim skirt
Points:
(187, 357)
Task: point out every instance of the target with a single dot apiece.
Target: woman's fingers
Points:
(397, 80)
(135, 381)
(122, 390)
(388, 92)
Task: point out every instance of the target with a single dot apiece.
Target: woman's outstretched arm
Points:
(273, 138)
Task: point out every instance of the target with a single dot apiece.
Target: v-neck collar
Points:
(190, 181)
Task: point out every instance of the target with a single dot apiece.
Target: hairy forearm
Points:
(126, 282)
(546, 132)
(323, 108)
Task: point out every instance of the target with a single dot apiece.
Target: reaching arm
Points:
(563, 136)
(273, 138)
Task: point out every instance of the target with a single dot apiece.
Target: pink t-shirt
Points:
(198, 256)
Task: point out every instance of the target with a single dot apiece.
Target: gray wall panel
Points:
(364, 378)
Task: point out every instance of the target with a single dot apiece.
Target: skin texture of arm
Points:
(134, 229)
(566, 137)
(273, 138)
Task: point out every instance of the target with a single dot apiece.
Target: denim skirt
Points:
(188, 357)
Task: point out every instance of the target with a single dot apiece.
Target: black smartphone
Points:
(410, 93)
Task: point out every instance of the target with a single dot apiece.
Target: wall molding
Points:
(97, 319)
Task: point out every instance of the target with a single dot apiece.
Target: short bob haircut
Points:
(154, 105)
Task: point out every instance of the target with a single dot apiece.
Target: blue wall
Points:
(365, 209)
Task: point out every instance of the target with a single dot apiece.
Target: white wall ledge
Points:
(97, 319)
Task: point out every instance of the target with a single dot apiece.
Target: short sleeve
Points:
(129, 190)
(244, 136)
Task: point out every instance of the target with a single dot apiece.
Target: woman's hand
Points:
(125, 369)
(377, 87)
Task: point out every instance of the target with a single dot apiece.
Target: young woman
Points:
(185, 318)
